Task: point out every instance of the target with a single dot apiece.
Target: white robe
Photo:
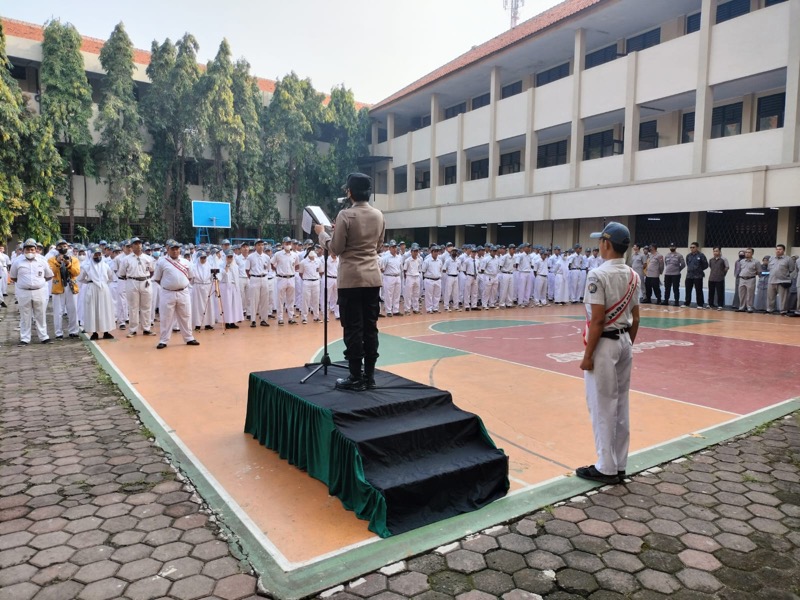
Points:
(205, 305)
(98, 308)
(231, 296)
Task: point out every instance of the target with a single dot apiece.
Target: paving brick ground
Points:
(89, 507)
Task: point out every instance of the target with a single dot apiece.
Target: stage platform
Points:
(699, 376)
(400, 457)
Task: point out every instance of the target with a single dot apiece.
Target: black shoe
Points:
(122, 327)
(94, 336)
(263, 324)
(664, 303)
(22, 344)
(161, 346)
(108, 336)
(209, 328)
(192, 343)
(147, 332)
(252, 323)
(234, 326)
(353, 384)
(197, 328)
(47, 341)
(369, 383)
(3, 304)
(292, 322)
(74, 335)
(59, 337)
(592, 474)
(645, 301)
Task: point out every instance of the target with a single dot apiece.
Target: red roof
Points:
(522, 31)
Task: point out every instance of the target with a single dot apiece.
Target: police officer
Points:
(612, 308)
(174, 275)
(653, 268)
(749, 269)
(674, 263)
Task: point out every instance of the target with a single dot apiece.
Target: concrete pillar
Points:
(791, 120)
(786, 220)
(374, 135)
(494, 147)
(697, 228)
(705, 95)
(491, 233)
(434, 166)
(433, 235)
(462, 174)
(632, 114)
(459, 241)
(576, 133)
(748, 107)
(390, 170)
(411, 171)
(531, 142)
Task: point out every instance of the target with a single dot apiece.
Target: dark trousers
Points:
(358, 310)
(694, 284)
(652, 285)
(716, 293)
(672, 282)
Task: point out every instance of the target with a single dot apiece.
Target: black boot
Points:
(353, 383)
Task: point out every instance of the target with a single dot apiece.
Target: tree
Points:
(66, 100)
(122, 157)
(221, 127)
(292, 125)
(249, 177)
(11, 142)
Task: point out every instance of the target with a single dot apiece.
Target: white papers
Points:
(312, 215)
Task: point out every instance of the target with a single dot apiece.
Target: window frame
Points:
(643, 41)
(510, 162)
(763, 112)
(479, 169)
(552, 74)
(646, 136)
(603, 56)
(550, 154)
(452, 112)
(450, 176)
(731, 9)
(599, 140)
(483, 100)
(512, 89)
(693, 23)
(724, 117)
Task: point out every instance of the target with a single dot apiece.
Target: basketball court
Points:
(699, 376)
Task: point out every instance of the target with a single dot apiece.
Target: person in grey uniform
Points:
(653, 268)
(612, 311)
(762, 285)
(781, 268)
(636, 262)
(749, 270)
(674, 263)
(718, 268)
(736, 303)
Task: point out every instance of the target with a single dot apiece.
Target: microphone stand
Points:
(325, 360)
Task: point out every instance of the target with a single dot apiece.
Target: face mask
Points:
(97, 259)
(63, 250)
(156, 254)
(81, 256)
(30, 255)
(287, 248)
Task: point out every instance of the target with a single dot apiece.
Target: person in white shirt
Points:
(333, 286)
(432, 278)
(31, 274)
(136, 269)
(260, 301)
(240, 260)
(491, 270)
(98, 306)
(230, 296)
(286, 264)
(391, 266)
(450, 275)
(574, 274)
(561, 275)
(505, 278)
(524, 268)
(310, 270)
(118, 285)
(205, 309)
(174, 274)
(5, 263)
(470, 269)
(412, 268)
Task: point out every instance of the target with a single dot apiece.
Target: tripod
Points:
(215, 293)
(325, 361)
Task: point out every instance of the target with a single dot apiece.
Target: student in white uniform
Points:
(561, 280)
(285, 264)
(204, 297)
(136, 269)
(260, 301)
(98, 306)
(230, 296)
(432, 278)
(5, 263)
(174, 274)
(391, 265)
(333, 286)
(470, 269)
(310, 271)
(612, 317)
(412, 273)
(31, 274)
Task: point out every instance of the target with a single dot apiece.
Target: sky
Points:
(374, 47)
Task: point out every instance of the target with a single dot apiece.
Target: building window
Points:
(400, 182)
(19, 73)
(424, 183)
(512, 89)
(648, 135)
(481, 101)
(732, 9)
(191, 172)
(450, 175)
(454, 111)
(693, 23)
(382, 135)
(687, 128)
(479, 169)
(552, 75)
(769, 3)
(750, 228)
(602, 56)
(770, 112)
(726, 120)
(643, 41)
(661, 229)
(510, 163)
(600, 145)
(550, 155)
(420, 122)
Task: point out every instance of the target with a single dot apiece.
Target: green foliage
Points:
(122, 157)
(66, 99)
(220, 125)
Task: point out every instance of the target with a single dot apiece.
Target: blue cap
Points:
(614, 232)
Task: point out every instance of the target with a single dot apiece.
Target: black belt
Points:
(508, 272)
(139, 278)
(469, 274)
(574, 269)
(330, 276)
(286, 276)
(304, 279)
(433, 278)
(32, 289)
(180, 290)
(387, 275)
(545, 275)
(264, 275)
(123, 278)
(753, 277)
(456, 275)
(614, 333)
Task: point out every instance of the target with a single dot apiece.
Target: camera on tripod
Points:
(214, 272)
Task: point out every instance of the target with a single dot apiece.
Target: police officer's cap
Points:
(29, 243)
(480, 248)
(174, 244)
(392, 244)
(135, 240)
(414, 246)
(287, 240)
(556, 247)
(358, 182)
(448, 244)
(512, 246)
(434, 248)
(500, 247)
(576, 246)
(673, 245)
(257, 242)
(614, 232)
